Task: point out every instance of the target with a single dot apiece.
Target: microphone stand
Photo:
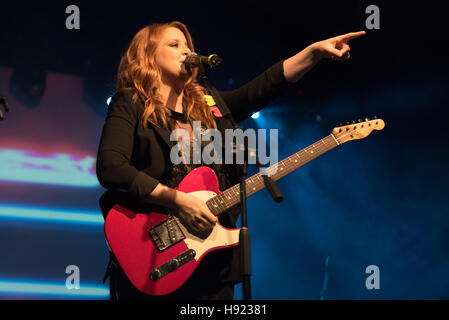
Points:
(244, 236)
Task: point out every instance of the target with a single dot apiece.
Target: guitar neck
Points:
(230, 197)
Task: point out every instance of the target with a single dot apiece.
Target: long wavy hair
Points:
(139, 73)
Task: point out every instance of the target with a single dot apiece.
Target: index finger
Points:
(352, 35)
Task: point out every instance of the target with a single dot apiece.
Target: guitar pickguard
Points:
(218, 237)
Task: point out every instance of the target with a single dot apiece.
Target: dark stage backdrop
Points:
(374, 204)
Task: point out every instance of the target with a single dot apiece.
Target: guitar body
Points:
(139, 252)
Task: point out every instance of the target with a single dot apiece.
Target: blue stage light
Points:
(108, 101)
(255, 115)
(37, 289)
(13, 212)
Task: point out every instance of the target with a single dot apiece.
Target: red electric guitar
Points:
(157, 252)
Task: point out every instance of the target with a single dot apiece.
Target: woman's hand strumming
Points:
(195, 213)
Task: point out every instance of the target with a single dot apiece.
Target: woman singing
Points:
(156, 94)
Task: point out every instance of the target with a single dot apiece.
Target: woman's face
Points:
(170, 55)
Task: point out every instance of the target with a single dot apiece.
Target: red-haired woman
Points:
(156, 94)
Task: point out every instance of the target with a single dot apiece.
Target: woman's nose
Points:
(186, 51)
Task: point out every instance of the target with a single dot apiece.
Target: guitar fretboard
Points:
(230, 197)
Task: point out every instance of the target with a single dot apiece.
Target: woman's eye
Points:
(174, 45)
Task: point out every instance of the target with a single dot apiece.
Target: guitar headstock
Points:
(357, 130)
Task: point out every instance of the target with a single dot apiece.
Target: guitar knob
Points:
(366, 119)
(360, 120)
(375, 117)
(353, 121)
(175, 263)
(348, 123)
(156, 274)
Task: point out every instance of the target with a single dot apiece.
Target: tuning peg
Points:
(360, 120)
(366, 119)
(340, 124)
(353, 121)
(348, 123)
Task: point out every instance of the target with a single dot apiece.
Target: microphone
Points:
(194, 60)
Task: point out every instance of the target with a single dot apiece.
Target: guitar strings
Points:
(232, 196)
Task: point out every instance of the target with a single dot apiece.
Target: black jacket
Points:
(132, 160)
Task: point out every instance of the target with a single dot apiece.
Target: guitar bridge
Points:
(166, 234)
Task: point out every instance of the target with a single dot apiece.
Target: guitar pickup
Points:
(166, 234)
(172, 264)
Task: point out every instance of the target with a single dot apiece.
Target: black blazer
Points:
(132, 160)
